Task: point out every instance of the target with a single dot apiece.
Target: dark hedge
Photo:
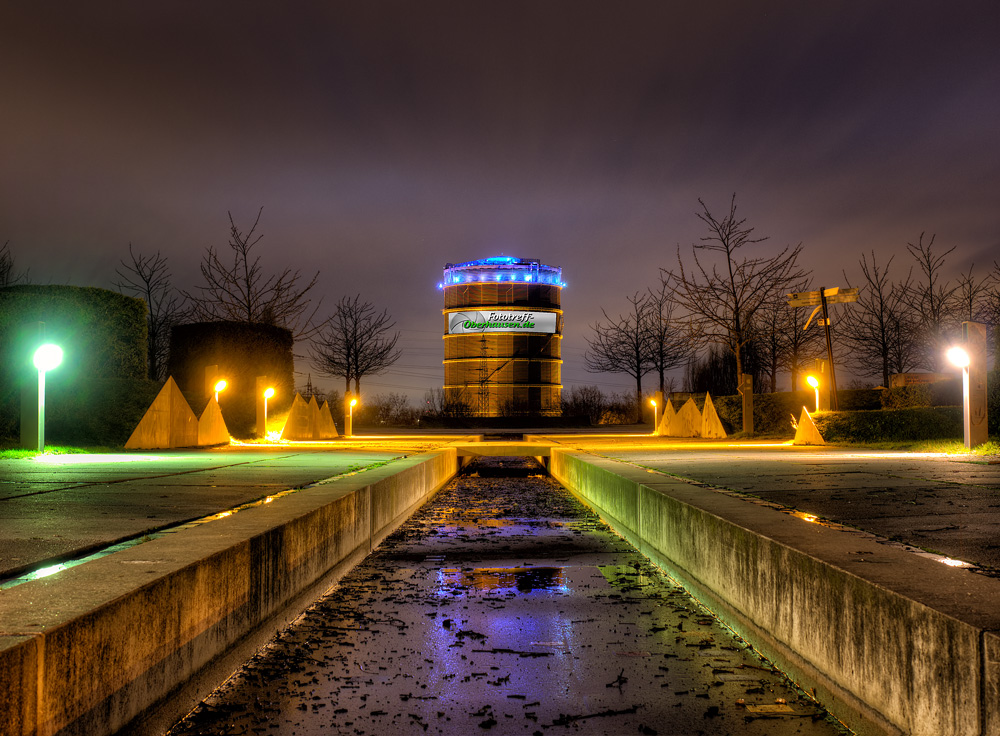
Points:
(242, 351)
(887, 425)
(102, 334)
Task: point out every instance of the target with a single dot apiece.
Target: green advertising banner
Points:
(506, 320)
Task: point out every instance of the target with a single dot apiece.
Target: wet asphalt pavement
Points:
(506, 606)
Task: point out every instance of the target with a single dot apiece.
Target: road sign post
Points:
(820, 299)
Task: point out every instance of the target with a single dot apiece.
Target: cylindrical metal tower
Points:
(502, 337)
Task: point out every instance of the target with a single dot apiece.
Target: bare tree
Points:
(972, 297)
(242, 292)
(880, 329)
(8, 274)
(770, 337)
(622, 345)
(148, 278)
(723, 298)
(933, 301)
(356, 342)
(669, 340)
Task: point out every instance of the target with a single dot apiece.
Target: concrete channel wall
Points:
(90, 649)
(889, 641)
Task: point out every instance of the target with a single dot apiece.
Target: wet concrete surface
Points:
(945, 504)
(58, 507)
(506, 606)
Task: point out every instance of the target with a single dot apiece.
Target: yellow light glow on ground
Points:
(83, 459)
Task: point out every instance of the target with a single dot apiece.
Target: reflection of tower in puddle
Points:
(499, 579)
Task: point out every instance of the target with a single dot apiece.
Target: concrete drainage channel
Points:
(92, 650)
(505, 603)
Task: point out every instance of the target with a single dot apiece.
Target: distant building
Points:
(503, 336)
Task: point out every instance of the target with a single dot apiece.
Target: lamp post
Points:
(656, 424)
(350, 418)
(46, 358)
(814, 382)
(220, 385)
(268, 393)
(971, 358)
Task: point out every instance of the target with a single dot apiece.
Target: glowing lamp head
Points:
(958, 357)
(354, 402)
(221, 385)
(812, 381)
(47, 357)
(653, 402)
(268, 393)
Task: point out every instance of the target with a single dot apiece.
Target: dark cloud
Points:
(386, 138)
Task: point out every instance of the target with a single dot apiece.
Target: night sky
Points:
(384, 139)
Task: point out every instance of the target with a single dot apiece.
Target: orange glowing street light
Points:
(349, 425)
(814, 382)
(220, 385)
(268, 393)
(655, 414)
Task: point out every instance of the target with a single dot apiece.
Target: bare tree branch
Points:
(933, 301)
(8, 275)
(356, 342)
(148, 278)
(240, 291)
(724, 296)
(622, 345)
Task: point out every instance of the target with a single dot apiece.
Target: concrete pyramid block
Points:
(169, 422)
(687, 421)
(212, 429)
(806, 432)
(313, 407)
(668, 414)
(711, 425)
(327, 427)
(298, 425)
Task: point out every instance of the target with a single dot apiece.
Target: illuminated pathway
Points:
(505, 606)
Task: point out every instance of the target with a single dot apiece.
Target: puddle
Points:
(505, 579)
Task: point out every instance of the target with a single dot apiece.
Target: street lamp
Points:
(268, 393)
(814, 382)
(655, 415)
(46, 358)
(958, 357)
(971, 358)
(350, 418)
(220, 386)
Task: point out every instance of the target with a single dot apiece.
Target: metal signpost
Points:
(820, 299)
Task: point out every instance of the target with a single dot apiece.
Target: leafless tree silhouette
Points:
(356, 342)
(241, 291)
(148, 278)
(722, 298)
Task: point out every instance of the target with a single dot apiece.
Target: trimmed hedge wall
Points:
(940, 393)
(772, 413)
(242, 351)
(103, 337)
(924, 423)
